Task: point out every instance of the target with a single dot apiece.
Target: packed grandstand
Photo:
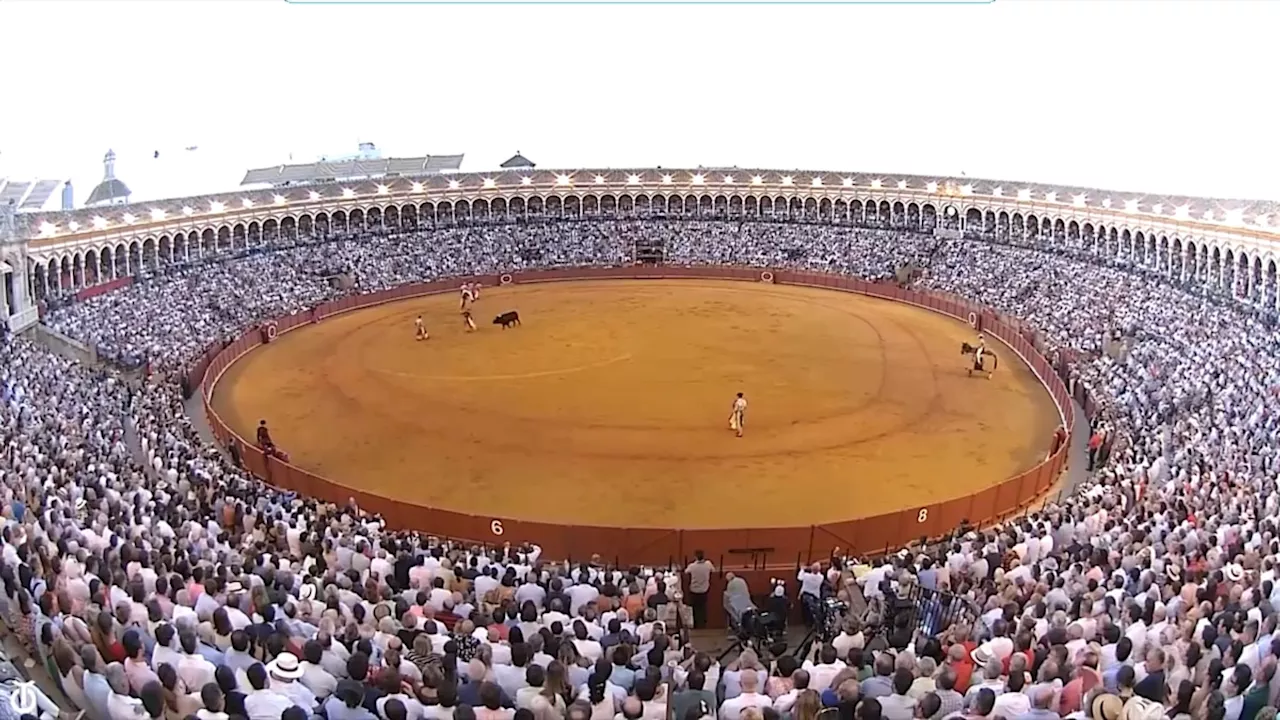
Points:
(152, 577)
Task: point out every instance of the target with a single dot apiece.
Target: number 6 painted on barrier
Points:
(923, 516)
(496, 527)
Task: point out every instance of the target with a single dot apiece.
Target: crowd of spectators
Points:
(152, 578)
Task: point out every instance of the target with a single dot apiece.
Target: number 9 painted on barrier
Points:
(923, 516)
(495, 527)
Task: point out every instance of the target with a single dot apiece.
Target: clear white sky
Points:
(1170, 97)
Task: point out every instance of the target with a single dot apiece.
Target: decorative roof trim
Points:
(1254, 219)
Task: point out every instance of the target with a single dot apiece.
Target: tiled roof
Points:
(349, 169)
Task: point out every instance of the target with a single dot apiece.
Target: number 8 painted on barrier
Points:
(496, 527)
(923, 516)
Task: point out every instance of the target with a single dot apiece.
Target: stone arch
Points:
(928, 217)
(91, 267)
(135, 256)
(1255, 287)
(973, 219)
(1269, 291)
(857, 212)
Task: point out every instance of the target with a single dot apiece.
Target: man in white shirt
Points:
(285, 670)
(163, 652)
(192, 668)
(1013, 702)
(899, 705)
(531, 591)
(1137, 630)
(580, 595)
(750, 697)
(314, 676)
(587, 648)
(511, 678)
(486, 581)
(811, 579)
(262, 703)
(699, 572)
(850, 638)
(535, 676)
(555, 615)
(439, 597)
(826, 669)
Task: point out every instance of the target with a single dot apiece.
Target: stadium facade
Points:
(1228, 246)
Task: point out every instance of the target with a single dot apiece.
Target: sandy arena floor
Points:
(610, 405)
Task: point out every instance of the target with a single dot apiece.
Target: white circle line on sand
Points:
(514, 376)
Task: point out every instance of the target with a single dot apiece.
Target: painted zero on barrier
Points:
(271, 331)
(766, 276)
(504, 280)
(973, 319)
(495, 527)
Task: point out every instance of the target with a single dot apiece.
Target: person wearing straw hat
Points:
(285, 670)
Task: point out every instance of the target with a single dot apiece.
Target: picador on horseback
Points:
(980, 355)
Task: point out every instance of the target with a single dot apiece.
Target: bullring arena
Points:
(867, 393)
(608, 405)
(599, 425)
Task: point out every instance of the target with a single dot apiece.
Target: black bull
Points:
(967, 349)
(507, 319)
